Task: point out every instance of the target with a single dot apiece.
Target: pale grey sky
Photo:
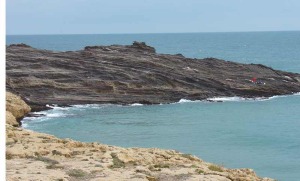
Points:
(149, 16)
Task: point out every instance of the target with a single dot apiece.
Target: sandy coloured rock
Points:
(11, 119)
(16, 108)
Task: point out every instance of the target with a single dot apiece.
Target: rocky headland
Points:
(133, 74)
(41, 157)
(120, 75)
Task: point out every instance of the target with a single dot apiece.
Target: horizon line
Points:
(154, 33)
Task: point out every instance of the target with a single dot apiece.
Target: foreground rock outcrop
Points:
(133, 74)
(36, 156)
(16, 109)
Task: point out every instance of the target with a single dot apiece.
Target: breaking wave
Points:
(236, 99)
(136, 104)
(60, 112)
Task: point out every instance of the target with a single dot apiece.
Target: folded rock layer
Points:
(134, 74)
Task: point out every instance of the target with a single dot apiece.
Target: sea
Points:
(262, 134)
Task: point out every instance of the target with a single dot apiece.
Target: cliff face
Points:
(133, 74)
(36, 156)
(16, 109)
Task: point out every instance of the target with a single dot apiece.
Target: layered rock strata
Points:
(133, 74)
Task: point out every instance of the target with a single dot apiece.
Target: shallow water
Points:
(261, 134)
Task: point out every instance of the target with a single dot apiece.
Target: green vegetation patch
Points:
(194, 166)
(188, 156)
(161, 166)
(117, 163)
(46, 160)
(199, 171)
(215, 168)
(54, 166)
(77, 173)
(8, 155)
(151, 168)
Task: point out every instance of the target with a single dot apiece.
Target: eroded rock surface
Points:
(133, 74)
(36, 156)
(16, 109)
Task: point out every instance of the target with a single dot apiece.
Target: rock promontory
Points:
(134, 74)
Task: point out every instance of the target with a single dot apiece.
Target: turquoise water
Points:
(263, 135)
(259, 134)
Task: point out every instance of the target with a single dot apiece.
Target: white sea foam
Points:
(223, 99)
(57, 112)
(218, 99)
(240, 99)
(85, 105)
(24, 125)
(27, 120)
(228, 99)
(91, 106)
(279, 96)
(136, 104)
(56, 115)
(56, 107)
(40, 113)
(186, 100)
(237, 99)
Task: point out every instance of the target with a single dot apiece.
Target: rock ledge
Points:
(134, 74)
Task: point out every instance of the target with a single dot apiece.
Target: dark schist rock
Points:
(133, 74)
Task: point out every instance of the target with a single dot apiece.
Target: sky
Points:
(149, 16)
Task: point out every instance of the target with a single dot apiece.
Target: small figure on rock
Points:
(257, 81)
(253, 80)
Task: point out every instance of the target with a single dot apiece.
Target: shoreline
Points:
(207, 100)
(36, 155)
(127, 74)
(132, 75)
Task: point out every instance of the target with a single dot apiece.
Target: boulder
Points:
(16, 109)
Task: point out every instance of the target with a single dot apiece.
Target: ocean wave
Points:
(86, 105)
(56, 107)
(24, 125)
(90, 106)
(231, 99)
(136, 104)
(55, 112)
(56, 115)
(280, 96)
(187, 100)
(218, 99)
(297, 94)
(236, 99)
(27, 120)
